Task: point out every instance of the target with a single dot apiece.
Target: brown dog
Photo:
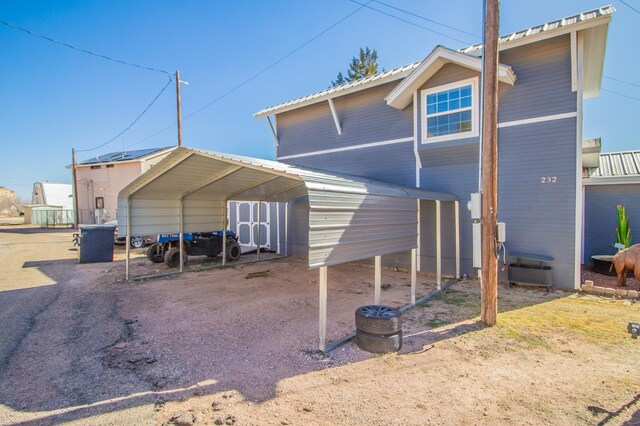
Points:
(627, 260)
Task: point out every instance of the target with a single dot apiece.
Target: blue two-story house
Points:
(418, 125)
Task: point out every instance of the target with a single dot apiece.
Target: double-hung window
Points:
(450, 112)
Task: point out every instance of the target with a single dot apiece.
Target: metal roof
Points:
(352, 86)
(350, 217)
(123, 155)
(546, 27)
(55, 194)
(616, 164)
(403, 71)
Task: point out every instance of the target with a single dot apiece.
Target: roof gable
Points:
(402, 95)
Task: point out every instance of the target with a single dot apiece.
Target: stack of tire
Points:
(378, 329)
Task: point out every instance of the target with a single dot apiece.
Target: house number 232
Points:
(548, 179)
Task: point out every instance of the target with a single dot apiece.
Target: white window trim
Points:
(474, 111)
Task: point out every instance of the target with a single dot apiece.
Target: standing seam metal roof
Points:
(403, 71)
(616, 164)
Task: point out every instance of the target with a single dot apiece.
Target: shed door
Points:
(247, 224)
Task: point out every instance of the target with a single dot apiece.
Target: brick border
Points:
(588, 287)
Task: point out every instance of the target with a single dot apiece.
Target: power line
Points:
(630, 7)
(256, 75)
(134, 121)
(622, 81)
(409, 22)
(621, 94)
(88, 52)
(425, 19)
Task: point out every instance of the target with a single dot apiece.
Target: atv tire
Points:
(155, 253)
(233, 251)
(172, 258)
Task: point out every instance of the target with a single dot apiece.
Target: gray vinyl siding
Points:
(299, 227)
(600, 220)
(543, 80)
(539, 217)
(390, 163)
(364, 117)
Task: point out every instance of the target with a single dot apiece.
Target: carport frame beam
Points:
(259, 236)
(225, 225)
(457, 237)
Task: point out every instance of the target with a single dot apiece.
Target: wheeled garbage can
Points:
(96, 243)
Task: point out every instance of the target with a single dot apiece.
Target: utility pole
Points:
(75, 189)
(489, 273)
(179, 112)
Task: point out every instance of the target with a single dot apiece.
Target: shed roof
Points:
(350, 217)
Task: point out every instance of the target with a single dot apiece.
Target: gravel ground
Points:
(81, 345)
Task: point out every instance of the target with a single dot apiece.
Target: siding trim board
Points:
(347, 148)
(538, 119)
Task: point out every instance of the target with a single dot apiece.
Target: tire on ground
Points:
(172, 258)
(377, 343)
(155, 253)
(378, 319)
(233, 251)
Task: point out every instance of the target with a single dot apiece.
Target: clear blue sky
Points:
(54, 98)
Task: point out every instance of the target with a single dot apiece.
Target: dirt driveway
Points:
(81, 345)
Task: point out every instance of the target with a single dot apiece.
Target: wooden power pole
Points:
(76, 218)
(178, 105)
(489, 166)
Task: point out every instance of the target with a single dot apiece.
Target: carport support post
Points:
(438, 246)
(323, 309)
(224, 232)
(181, 233)
(377, 281)
(414, 274)
(286, 229)
(456, 205)
(127, 242)
(258, 241)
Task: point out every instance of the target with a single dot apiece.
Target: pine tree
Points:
(364, 65)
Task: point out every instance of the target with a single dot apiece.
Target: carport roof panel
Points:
(181, 170)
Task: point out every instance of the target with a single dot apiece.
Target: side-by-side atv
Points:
(167, 247)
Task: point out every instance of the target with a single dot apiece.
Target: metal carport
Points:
(350, 218)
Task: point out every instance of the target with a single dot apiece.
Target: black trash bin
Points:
(96, 243)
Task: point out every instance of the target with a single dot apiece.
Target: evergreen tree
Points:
(364, 65)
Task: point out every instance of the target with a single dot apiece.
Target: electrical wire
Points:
(622, 81)
(88, 52)
(426, 19)
(630, 7)
(133, 122)
(621, 94)
(409, 22)
(256, 75)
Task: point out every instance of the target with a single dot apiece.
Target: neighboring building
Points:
(418, 125)
(99, 180)
(614, 180)
(52, 194)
